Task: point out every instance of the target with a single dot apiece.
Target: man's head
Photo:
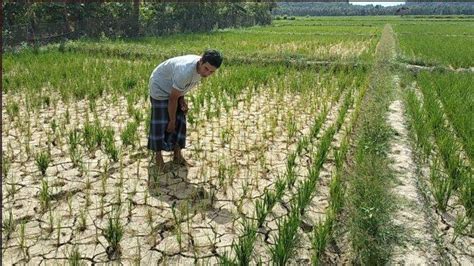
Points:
(210, 61)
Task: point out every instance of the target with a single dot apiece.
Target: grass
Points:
(45, 195)
(371, 204)
(113, 233)
(74, 257)
(8, 225)
(286, 240)
(42, 160)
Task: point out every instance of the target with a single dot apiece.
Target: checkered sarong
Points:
(158, 138)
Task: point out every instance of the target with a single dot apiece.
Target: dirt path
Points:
(418, 246)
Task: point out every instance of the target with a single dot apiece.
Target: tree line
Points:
(32, 21)
(347, 9)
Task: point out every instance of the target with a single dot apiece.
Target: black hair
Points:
(212, 57)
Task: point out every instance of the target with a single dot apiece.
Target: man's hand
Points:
(171, 127)
(183, 105)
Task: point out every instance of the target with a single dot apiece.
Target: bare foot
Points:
(181, 161)
(160, 164)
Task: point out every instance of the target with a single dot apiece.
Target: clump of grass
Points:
(129, 135)
(42, 160)
(8, 225)
(44, 195)
(21, 236)
(113, 233)
(321, 234)
(82, 225)
(109, 144)
(441, 187)
(13, 110)
(244, 248)
(290, 170)
(460, 225)
(6, 164)
(286, 239)
(74, 257)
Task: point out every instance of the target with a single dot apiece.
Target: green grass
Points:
(437, 44)
(370, 201)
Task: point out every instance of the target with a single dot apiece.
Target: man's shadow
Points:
(174, 186)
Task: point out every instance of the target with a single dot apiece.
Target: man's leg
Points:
(178, 157)
(159, 160)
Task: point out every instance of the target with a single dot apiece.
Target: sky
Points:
(377, 3)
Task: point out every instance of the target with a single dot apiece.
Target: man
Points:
(169, 82)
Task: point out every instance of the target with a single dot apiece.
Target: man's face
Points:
(206, 69)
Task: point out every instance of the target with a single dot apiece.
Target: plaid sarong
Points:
(158, 138)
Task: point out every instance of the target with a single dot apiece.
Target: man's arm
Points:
(172, 107)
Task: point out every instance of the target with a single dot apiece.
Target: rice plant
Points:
(321, 234)
(290, 170)
(244, 248)
(113, 233)
(42, 160)
(44, 195)
(178, 229)
(286, 240)
(441, 187)
(129, 135)
(8, 225)
(6, 164)
(74, 257)
(109, 144)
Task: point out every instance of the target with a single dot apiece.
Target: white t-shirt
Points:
(177, 72)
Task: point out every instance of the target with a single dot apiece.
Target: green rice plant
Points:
(244, 248)
(226, 135)
(441, 187)
(21, 236)
(44, 195)
(73, 140)
(67, 116)
(9, 225)
(260, 211)
(6, 164)
(13, 110)
(82, 223)
(74, 257)
(321, 234)
(304, 195)
(178, 229)
(113, 233)
(336, 193)
(466, 197)
(460, 225)
(318, 123)
(286, 240)
(42, 160)
(280, 186)
(290, 169)
(449, 151)
(302, 144)
(89, 134)
(149, 218)
(54, 125)
(291, 126)
(418, 123)
(129, 135)
(50, 229)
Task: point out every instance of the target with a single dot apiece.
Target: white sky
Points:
(377, 3)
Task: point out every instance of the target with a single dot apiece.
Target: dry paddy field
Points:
(315, 143)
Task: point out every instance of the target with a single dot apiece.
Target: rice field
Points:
(288, 144)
